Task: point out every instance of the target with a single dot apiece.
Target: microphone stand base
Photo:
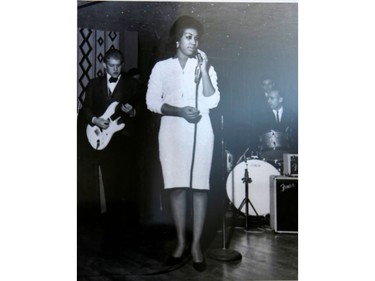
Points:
(224, 255)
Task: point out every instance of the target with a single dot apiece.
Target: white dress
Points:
(171, 84)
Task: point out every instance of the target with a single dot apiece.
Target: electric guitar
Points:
(98, 137)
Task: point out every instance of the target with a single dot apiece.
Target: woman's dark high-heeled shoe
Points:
(200, 266)
(173, 261)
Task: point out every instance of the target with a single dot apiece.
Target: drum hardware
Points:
(243, 156)
(254, 155)
(259, 171)
(229, 160)
(274, 144)
(246, 201)
(278, 164)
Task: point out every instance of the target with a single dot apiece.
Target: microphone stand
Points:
(223, 254)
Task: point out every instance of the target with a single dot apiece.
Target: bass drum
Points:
(259, 187)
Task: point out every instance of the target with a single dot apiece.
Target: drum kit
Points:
(247, 184)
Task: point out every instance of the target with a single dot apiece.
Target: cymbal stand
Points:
(246, 201)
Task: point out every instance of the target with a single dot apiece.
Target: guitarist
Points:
(116, 159)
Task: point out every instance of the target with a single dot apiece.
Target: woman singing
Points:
(183, 89)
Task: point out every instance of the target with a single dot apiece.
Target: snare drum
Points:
(259, 188)
(273, 145)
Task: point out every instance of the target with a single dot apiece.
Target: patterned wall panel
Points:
(92, 44)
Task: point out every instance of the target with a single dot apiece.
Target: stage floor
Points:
(137, 252)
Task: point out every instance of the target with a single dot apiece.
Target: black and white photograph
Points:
(187, 141)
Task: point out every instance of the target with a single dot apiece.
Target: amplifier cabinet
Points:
(284, 204)
(290, 164)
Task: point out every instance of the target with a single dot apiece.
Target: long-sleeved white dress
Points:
(171, 84)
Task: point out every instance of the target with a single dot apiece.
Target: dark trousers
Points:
(117, 166)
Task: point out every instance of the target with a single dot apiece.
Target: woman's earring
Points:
(177, 44)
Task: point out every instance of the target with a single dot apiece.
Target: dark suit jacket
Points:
(97, 100)
(117, 159)
(267, 121)
(264, 121)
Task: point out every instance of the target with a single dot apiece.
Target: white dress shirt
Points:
(112, 86)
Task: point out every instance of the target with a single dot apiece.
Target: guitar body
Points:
(99, 138)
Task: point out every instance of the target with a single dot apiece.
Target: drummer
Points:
(278, 118)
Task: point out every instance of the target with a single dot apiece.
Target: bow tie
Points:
(112, 80)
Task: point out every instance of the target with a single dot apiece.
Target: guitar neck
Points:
(117, 112)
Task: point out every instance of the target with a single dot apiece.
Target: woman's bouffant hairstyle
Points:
(182, 23)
